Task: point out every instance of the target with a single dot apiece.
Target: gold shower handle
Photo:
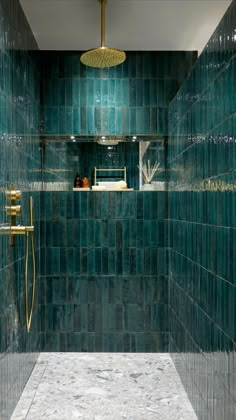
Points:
(15, 230)
(13, 210)
(14, 194)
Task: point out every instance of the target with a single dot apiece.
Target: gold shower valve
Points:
(13, 210)
(16, 230)
(14, 194)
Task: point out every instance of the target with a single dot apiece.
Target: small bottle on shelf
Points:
(85, 182)
(77, 181)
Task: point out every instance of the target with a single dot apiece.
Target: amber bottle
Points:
(85, 182)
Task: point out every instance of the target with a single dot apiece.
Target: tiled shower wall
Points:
(104, 284)
(19, 166)
(202, 269)
(131, 98)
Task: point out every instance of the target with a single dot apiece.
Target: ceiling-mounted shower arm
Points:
(102, 23)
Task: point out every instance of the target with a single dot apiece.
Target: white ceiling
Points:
(130, 24)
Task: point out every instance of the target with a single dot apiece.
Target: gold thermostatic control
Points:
(14, 194)
(13, 210)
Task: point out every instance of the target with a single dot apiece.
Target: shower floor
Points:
(104, 386)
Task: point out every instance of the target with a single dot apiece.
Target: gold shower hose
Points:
(29, 314)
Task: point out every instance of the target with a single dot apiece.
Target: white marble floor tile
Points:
(104, 386)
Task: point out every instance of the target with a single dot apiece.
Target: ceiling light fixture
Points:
(103, 57)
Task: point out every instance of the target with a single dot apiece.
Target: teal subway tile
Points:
(104, 232)
(90, 206)
(132, 121)
(146, 92)
(125, 92)
(114, 290)
(118, 204)
(70, 233)
(63, 204)
(76, 268)
(105, 122)
(91, 119)
(70, 260)
(111, 233)
(139, 93)
(133, 317)
(63, 260)
(84, 205)
(146, 121)
(98, 261)
(105, 261)
(153, 261)
(154, 99)
(139, 120)
(108, 317)
(97, 205)
(83, 93)
(104, 92)
(104, 204)
(132, 233)
(93, 93)
(98, 232)
(76, 92)
(53, 260)
(111, 119)
(111, 90)
(119, 261)
(140, 260)
(147, 228)
(125, 120)
(111, 260)
(68, 126)
(140, 239)
(68, 92)
(83, 260)
(140, 205)
(84, 120)
(125, 233)
(91, 261)
(147, 261)
(91, 233)
(132, 66)
(118, 93)
(77, 232)
(118, 121)
(125, 205)
(126, 261)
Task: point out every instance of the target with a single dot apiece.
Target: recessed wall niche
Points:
(62, 159)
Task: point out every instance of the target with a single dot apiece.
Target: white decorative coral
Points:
(149, 171)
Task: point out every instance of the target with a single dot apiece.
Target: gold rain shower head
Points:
(103, 57)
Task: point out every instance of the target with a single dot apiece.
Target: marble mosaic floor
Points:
(104, 386)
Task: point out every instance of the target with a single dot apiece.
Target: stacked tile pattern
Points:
(131, 98)
(104, 283)
(202, 269)
(19, 166)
